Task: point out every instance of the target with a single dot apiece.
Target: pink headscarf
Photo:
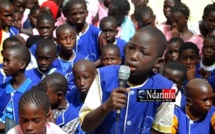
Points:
(52, 6)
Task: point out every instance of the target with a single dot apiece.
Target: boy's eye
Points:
(37, 120)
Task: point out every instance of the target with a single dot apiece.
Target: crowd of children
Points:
(60, 63)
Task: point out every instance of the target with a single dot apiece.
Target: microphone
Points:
(123, 75)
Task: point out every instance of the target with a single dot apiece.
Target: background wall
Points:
(196, 7)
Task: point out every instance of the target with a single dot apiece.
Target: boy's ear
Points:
(23, 65)
(60, 94)
(1, 52)
(120, 60)
(159, 61)
(189, 101)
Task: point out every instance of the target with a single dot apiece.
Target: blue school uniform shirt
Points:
(211, 81)
(27, 24)
(121, 44)
(182, 124)
(11, 96)
(66, 66)
(135, 117)
(88, 43)
(69, 114)
(73, 97)
(36, 76)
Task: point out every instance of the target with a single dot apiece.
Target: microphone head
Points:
(124, 72)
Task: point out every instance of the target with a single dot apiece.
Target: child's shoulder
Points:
(159, 79)
(120, 41)
(52, 128)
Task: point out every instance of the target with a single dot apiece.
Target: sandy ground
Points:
(196, 8)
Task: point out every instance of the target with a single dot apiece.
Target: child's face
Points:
(209, 21)
(33, 17)
(53, 97)
(6, 15)
(66, 39)
(110, 57)
(172, 51)
(138, 3)
(17, 18)
(175, 76)
(19, 6)
(11, 64)
(208, 49)
(83, 78)
(78, 14)
(45, 58)
(32, 119)
(109, 30)
(45, 28)
(140, 54)
(146, 20)
(188, 58)
(168, 5)
(178, 20)
(202, 101)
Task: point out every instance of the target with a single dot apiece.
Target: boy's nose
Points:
(134, 56)
(29, 127)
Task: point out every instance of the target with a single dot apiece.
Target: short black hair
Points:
(11, 39)
(46, 16)
(4, 3)
(46, 43)
(143, 11)
(108, 19)
(121, 6)
(22, 52)
(210, 37)
(57, 81)
(110, 46)
(181, 8)
(73, 2)
(188, 45)
(176, 39)
(177, 66)
(62, 28)
(34, 8)
(36, 97)
(209, 8)
(158, 36)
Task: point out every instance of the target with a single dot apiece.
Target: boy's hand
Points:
(205, 74)
(116, 100)
(191, 72)
(175, 32)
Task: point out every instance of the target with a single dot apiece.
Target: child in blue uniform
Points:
(6, 28)
(15, 60)
(108, 26)
(207, 63)
(84, 73)
(105, 96)
(67, 57)
(45, 27)
(88, 35)
(197, 117)
(176, 72)
(45, 55)
(110, 55)
(62, 110)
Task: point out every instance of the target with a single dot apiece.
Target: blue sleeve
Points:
(27, 24)
(211, 81)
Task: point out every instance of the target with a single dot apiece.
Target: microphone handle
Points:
(122, 83)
